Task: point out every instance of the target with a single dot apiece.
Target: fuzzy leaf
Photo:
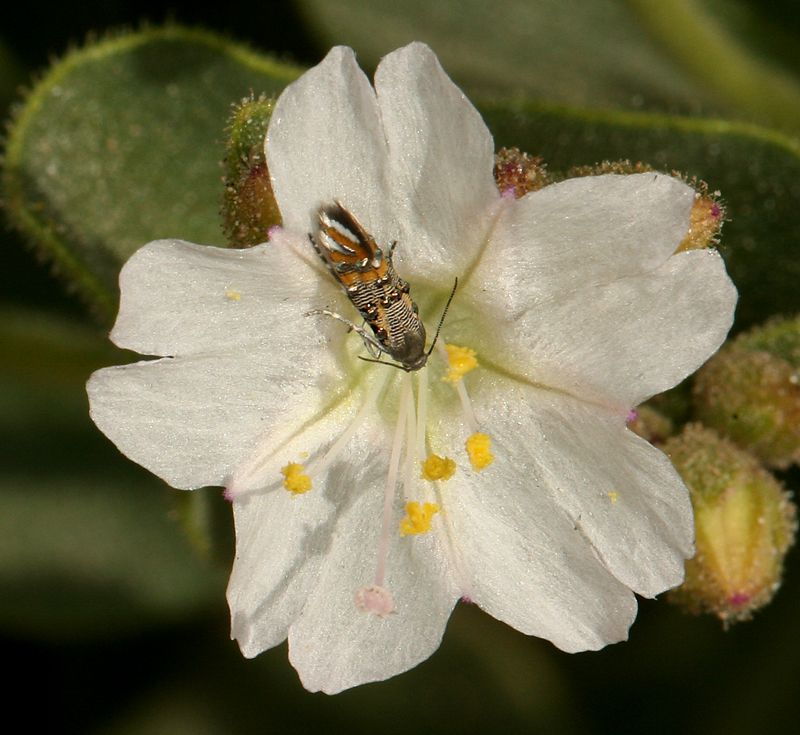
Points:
(120, 143)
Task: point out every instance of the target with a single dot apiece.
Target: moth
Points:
(366, 274)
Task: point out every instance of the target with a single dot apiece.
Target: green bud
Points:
(249, 207)
(750, 392)
(745, 523)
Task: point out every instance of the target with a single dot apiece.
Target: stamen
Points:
(418, 519)
(422, 411)
(411, 448)
(479, 451)
(391, 479)
(437, 468)
(296, 482)
(469, 416)
(460, 361)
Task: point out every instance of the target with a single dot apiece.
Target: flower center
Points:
(411, 465)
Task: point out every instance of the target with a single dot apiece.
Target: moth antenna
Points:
(444, 314)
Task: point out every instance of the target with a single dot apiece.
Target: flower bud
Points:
(745, 523)
(249, 208)
(705, 219)
(519, 173)
(750, 392)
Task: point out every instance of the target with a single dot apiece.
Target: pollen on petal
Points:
(418, 519)
(437, 468)
(296, 482)
(460, 360)
(235, 295)
(479, 450)
(375, 599)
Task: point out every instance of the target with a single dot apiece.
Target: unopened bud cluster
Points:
(750, 392)
(745, 523)
(748, 399)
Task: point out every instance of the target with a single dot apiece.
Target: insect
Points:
(369, 279)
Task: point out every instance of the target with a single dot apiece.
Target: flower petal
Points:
(183, 299)
(192, 421)
(524, 560)
(441, 156)
(615, 343)
(583, 232)
(623, 496)
(325, 141)
(332, 644)
(281, 543)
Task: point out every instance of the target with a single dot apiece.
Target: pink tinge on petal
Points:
(375, 599)
(632, 416)
(273, 231)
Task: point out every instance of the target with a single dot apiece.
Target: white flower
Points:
(577, 308)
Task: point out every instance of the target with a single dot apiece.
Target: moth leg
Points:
(373, 346)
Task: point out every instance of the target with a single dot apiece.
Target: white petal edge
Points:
(441, 157)
(192, 421)
(621, 495)
(582, 232)
(525, 561)
(178, 298)
(617, 343)
(325, 141)
(332, 644)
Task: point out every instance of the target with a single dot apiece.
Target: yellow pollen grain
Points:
(437, 468)
(296, 482)
(479, 451)
(234, 295)
(418, 519)
(460, 360)
(613, 496)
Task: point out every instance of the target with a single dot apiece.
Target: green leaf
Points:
(757, 171)
(121, 143)
(712, 53)
(85, 555)
(586, 52)
(714, 57)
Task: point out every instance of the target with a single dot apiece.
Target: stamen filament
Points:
(411, 447)
(469, 415)
(391, 478)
